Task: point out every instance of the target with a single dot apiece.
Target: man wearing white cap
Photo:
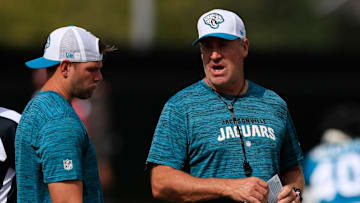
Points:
(221, 138)
(55, 159)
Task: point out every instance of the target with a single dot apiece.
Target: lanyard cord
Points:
(246, 164)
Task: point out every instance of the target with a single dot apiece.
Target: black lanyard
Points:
(246, 164)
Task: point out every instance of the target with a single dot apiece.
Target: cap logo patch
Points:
(69, 55)
(68, 164)
(242, 33)
(213, 20)
(47, 45)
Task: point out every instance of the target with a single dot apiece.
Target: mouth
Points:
(93, 86)
(217, 69)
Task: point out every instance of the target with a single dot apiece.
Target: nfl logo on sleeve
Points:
(68, 164)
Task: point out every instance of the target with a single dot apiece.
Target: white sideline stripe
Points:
(2, 152)
(6, 185)
(10, 114)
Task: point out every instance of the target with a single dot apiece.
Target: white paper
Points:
(275, 188)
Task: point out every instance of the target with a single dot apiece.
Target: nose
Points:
(215, 55)
(98, 77)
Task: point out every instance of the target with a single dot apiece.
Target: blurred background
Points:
(307, 51)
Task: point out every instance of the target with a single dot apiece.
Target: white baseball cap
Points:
(220, 23)
(72, 43)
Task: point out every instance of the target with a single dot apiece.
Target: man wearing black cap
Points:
(221, 138)
(55, 159)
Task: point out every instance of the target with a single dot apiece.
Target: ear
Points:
(65, 68)
(245, 47)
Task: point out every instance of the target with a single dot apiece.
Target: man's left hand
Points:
(288, 195)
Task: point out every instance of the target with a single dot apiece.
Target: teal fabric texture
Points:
(196, 134)
(52, 145)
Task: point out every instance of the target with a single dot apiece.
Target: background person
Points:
(198, 152)
(9, 120)
(332, 169)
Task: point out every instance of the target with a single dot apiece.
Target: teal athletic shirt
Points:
(52, 145)
(196, 134)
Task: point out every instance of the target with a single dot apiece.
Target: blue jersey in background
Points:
(332, 173)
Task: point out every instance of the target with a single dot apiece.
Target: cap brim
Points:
(219, 35)
(41, 63)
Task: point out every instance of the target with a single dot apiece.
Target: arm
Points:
(66, 191)
(175, 185)
(61, 159)
(291, 178)
(294, 177)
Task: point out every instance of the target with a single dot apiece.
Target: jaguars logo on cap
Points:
(213, 20)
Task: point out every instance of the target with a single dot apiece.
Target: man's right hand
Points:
(175, 185)
(251, 190)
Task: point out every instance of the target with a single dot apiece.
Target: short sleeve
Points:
(291, 153)
(60, 151)
(169, 144)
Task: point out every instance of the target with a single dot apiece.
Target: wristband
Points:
(298, 193)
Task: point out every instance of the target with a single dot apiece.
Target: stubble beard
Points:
(84, 94)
